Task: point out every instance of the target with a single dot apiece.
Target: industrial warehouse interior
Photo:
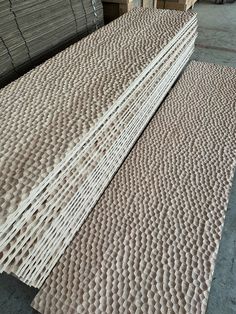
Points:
(118, 156)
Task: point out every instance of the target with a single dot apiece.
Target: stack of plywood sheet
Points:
(31, 28)
(67, 125)
(149, 245)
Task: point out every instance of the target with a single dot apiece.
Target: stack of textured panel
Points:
(67, 126)
(30, 28)
(150, 243)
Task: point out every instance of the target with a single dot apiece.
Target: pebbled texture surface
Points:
(22, 254)
(48, 111)
(149, 245)
(35, 238)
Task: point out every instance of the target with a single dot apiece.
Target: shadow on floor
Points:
(15, 296)
(222, 297)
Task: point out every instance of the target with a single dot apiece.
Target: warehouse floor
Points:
(216, 43)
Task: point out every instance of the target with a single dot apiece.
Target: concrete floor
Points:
(216, 40)
(216, 43)
(15, 296)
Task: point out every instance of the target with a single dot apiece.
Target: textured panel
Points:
(150, 243)
(46, 113)
(73, 197)
(71, 122)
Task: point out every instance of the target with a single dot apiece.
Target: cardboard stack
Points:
(30, 29)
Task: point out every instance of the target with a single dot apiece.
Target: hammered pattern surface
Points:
(22, 255)
(150, 244)
(46, 113)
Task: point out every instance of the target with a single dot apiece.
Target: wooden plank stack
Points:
(30, 29)
(67, 125)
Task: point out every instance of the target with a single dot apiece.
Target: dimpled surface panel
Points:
(46, 113)
(150, 244)
(22, 256)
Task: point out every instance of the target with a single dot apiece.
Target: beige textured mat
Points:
(150, 244)
(104, 127)
(43, 229)
(45, 113)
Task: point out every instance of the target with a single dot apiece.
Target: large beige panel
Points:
(149, 245)
(36, 247)
(47, 112)
(69, 124)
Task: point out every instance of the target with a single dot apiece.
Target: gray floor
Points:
(216, 40)
(15, 296)
(222, 298)
(216, 43)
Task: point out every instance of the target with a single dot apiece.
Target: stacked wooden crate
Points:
(182, 5)
(115, 8)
